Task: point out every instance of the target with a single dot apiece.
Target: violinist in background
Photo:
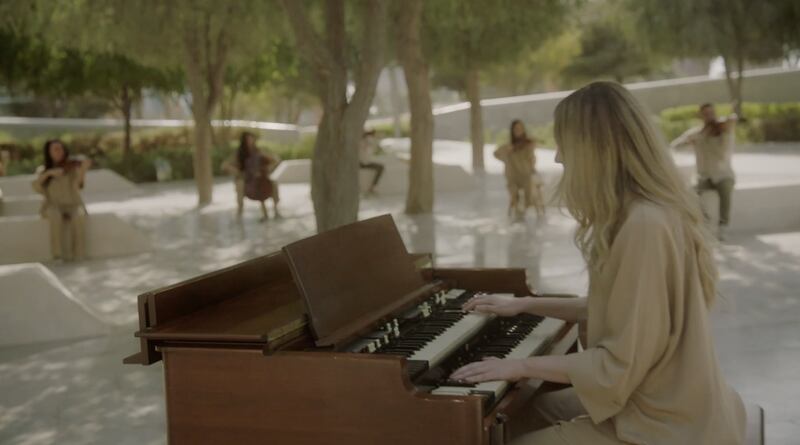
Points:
(519, 157)
(713, 144)
(60, 180)
(251, 170)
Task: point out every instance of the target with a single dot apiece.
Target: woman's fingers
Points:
(474, 301)
(468, 371)
(476, 372)
(485, 308)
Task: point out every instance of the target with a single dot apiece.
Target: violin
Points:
(71, 163)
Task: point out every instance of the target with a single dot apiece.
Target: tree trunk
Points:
(205, 57)
(226, 109)
(201, 113)
(420, 174)
(201, 158)
(394, 90)
(126, 103)
(475, 119)
(734, 84)
(334, 168)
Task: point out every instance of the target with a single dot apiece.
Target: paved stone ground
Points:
(80, 393)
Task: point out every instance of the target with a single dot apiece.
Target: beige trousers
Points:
(558, 417)
(73, 217)
(531, 192)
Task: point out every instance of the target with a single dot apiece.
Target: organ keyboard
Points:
(339, 338)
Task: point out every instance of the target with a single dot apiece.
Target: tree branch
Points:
(371, 65)
(335, 30)
(308, 41)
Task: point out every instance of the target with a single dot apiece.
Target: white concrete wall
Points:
(99, 182)
(19, 198)
(394, 179)
(766, 85)
(26, 127)
(27, 238)
(452, 121)
(38, 308)
(759, 208)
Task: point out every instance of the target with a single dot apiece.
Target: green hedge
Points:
(543, 134)
(764, 122)
(106, 151)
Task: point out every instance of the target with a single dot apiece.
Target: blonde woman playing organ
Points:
(648, 373)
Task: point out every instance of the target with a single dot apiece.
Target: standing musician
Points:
(519, 157)
(713, 144)
(60, 180)
(648, 373)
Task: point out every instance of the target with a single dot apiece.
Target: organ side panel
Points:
(243, 397)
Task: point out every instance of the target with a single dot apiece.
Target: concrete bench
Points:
(754, 432)
(20, 206)
(27, 238)
(38, 308)
(759, 208)
(99, 183)
(394, 179)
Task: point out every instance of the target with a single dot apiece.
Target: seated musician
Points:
(251, 169)
(648, 373)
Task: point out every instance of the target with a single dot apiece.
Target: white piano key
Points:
(448, 341)
(540, 335)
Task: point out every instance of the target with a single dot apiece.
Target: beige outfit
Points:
(520, 166)
(649, 372)
(712, 153)
(64, 206)
(713, 158)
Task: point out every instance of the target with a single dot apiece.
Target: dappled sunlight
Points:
(81, 394)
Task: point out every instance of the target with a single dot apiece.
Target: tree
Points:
(334, 171)
(201, 37)
(606, 51)
(466, 37)
(420, 174)
(537, 69)
(59, 74)
(275, 81)
(121, 81)
(736, 30)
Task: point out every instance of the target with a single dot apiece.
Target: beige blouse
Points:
(64, 190)
(519, 163)
(650, 365)
(712, 153)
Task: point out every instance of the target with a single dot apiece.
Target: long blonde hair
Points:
(611, 154)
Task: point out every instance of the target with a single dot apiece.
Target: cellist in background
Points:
(251, 169)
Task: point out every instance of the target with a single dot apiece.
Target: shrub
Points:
(765, 122)
(173, 145)
(387, 130)
(542, 134)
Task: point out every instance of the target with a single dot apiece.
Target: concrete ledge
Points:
(27, 238)
(38, 308)
(101, 183)
(20, 205)
(759, 208)
(394, 179)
